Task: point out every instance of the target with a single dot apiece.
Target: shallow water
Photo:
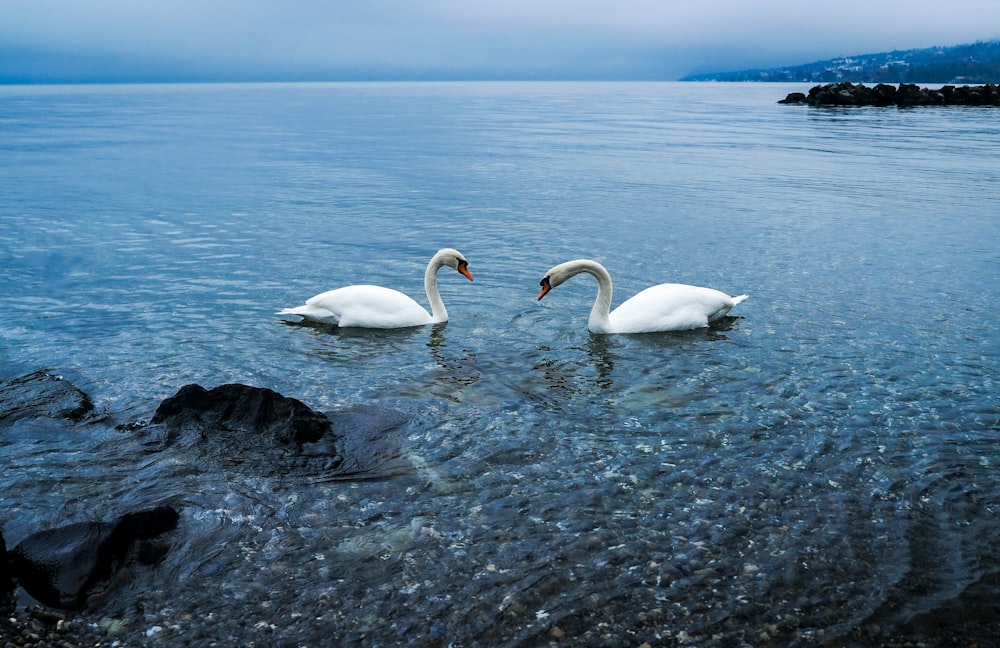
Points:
(819, 464)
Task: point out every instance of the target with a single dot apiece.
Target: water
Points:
(820, 467)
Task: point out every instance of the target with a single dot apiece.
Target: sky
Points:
(269, 40)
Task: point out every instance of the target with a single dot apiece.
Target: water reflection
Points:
(599, 347)
(714, 332)
(459, 370)
(617, 367)
(357, 332)
(357, 347)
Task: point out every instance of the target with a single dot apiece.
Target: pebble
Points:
(42, 627)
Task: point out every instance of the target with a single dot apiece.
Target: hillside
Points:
(973, 63)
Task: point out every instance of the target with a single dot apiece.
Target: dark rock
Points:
(909, 94)
(41, 394)
(6, 584)
(243, 409)
(131, 426)
(252, 427)
(794, 97)
(906, 95)
(64, 567)
(260, 431)
(883, 94)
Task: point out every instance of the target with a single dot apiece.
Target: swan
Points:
(665, 307)
(383, 308)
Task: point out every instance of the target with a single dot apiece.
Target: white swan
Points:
(666, 307)
(384, 308)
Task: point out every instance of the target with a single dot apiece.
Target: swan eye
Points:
(544, 282)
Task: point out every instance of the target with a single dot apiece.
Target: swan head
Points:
(555, 276)
(454, 259)
(546, 284)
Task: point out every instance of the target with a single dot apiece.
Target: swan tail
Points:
(737, 300)
(310, 313)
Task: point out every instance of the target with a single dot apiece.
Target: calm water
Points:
(821, 465)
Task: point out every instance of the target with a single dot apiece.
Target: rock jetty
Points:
(906, 95)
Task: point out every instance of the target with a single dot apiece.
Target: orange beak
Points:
(545, 288)
(464, 269)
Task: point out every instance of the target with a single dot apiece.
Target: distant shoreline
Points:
(971, 63)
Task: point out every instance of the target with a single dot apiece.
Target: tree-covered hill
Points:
(973, 63)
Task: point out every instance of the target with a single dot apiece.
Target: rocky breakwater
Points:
(906, 95)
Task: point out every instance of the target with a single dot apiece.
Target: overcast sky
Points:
(155, 40)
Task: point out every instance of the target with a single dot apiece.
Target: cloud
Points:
(462, 39)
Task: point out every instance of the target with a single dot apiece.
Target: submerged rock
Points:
(42, 395)
(6, 584)
(63, 567)
(846, 93)
(253, 427)
(263, 432)
(370, 452)
(241, 408)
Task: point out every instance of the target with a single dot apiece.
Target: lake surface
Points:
(820, 467)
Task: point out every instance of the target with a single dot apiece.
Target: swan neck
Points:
(438, 312)
(600, 321)
(600, 313)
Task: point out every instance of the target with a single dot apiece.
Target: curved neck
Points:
(599, 321)
(438, 312)
(600, 313)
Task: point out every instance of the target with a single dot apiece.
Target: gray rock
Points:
(41, 394)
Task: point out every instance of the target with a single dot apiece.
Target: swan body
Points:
(665, 307)
(367, 306)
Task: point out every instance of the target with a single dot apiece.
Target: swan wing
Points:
(670, 307)
(363, 306)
